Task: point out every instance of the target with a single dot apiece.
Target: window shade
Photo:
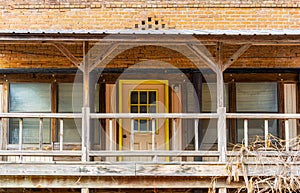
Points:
(256, 97)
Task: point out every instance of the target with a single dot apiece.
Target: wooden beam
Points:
(67, 53)
(196, 169)
(112, 182)
(219, 54)
(235, 56)
(102, 56)
(203, 56)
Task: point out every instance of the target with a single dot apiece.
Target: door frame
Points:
(144, 82)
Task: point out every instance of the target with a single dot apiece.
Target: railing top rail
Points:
(41, 115)
(154, 115)
(262, 116)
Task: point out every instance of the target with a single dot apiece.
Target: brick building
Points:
(149, 96)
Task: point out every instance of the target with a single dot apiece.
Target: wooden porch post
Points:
(220, 105)
(86, 106)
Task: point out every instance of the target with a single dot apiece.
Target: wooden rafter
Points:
(103, 55)
(203, 57)
(68, 54)
(235, 56)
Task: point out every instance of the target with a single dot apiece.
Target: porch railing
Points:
(174, 152)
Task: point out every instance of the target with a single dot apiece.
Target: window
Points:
(256, 97)
(143, 102)
(29, 98)
(70, 100)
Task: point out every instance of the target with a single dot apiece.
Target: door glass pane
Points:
(142, 101)
(143, 97)
(134, 97)
(134, 109)
(143, 109)
(152, 97)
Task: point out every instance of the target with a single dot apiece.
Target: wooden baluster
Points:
(110, 134)
(246, 132)
(41, 134)
(174, 134)
(196, 135)
(61, 134)
(287, 135)
(132, 135)
(266, 133)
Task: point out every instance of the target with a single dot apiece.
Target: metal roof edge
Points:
(166, 31)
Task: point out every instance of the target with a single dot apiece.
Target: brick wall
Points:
(47, 56)
(130, 14)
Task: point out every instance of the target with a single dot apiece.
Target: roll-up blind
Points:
(256, 97)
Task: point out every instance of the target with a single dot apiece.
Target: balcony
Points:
(46, 159)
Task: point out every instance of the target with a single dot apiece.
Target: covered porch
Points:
(207, 126)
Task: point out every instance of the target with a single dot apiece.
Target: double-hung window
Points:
(29, 98)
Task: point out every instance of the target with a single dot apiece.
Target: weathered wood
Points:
(222, 145)
(61, 134)
(174, 134)
(110, 134)
(41, 115)
(287, 135)
(41, 133)
(20, 133)
(232, 109)
(196, 130)
(54, 110)
(262, 116)
(266, 128)
(232, 39)
(141, 169)
(153, 115)
(5, 103)
(132, 134)
(153, 134)
(204, 57)
(102, 56)
(246, 133)
(148, 153)
(235, 56)
(85, 134)
(115, 182)
(67, 53)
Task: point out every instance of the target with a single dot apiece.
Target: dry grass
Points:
(284, 179)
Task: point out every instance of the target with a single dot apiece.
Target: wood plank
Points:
(153, 115)
(204, 57)
(115, 182)
(139, 169)
(67, 53)
(102, 56)
(41, 115)
(54, 106)
(235, 56)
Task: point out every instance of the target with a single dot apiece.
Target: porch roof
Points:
(160, 31)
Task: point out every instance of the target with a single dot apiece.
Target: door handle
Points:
(124, 136)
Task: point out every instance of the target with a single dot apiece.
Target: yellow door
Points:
(143, 96)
